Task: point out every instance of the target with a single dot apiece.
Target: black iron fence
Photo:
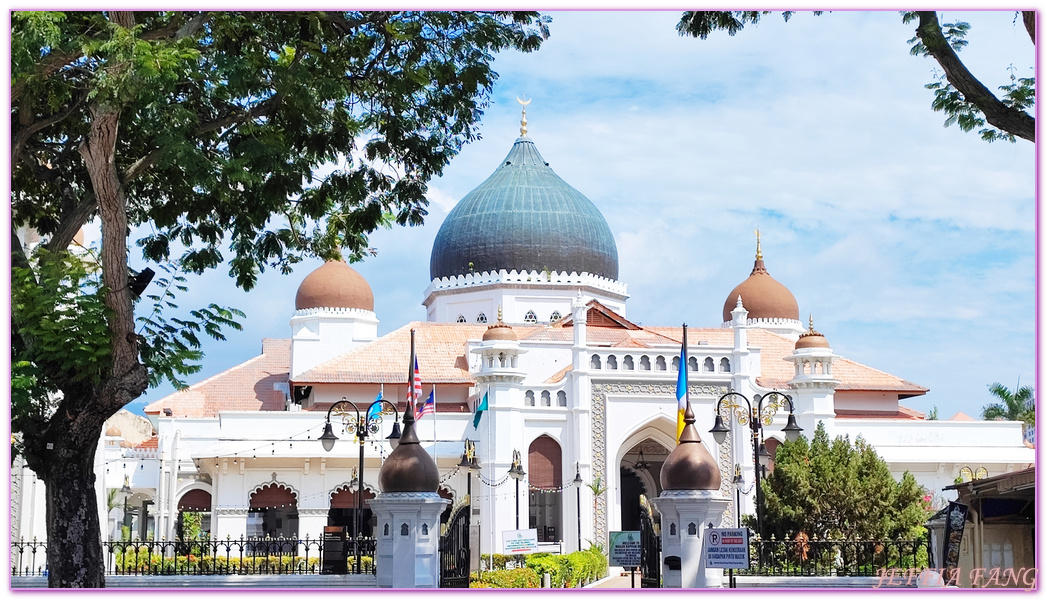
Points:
(843, 558)
(244, 556)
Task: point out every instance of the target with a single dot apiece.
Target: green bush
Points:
(509, 578)
(571, 570)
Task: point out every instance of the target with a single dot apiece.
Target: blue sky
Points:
(913, 245)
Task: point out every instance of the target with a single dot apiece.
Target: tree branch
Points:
(997, 113)
(21, 137)
(1029, 18)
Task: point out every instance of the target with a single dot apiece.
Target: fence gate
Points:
(454, 550)
(650, 549)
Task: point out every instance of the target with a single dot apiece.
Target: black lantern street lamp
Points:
(755, 418)
(361, 426)
(516, 472)
(578, 488)
(469, 463)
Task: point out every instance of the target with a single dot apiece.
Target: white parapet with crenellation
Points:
(524, 297)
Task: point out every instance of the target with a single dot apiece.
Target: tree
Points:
(212, 129)
(958, 93)
(1019, 405)
(826, 488)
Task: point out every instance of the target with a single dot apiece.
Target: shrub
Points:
(510, 578)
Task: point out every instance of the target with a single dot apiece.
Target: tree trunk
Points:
(74, 546)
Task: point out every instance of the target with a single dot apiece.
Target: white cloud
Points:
(911, 243)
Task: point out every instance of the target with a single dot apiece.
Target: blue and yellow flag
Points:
(681, 386)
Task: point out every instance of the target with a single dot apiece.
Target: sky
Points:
(912, 245)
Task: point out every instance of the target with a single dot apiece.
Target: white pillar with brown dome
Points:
(690, 501)
(334, 313)
(407, 553)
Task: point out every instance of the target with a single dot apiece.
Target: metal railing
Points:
(842, 558)
(243, 556)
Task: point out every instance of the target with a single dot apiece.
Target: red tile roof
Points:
(151, 443)
(442, 359)
(247, 386)
(902, 413)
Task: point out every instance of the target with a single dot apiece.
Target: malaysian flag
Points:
(429, 407)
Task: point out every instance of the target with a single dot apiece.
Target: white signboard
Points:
(726, 548)
(624, 549)
(520, 541)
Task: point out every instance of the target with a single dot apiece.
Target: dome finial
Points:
(499, 313)
(759, 255)
(523, 119)
(810, 321)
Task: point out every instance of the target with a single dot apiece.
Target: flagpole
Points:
(410, 376)
(436, 453)
(490, 490)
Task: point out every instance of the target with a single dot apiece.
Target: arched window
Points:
(273, 512)
(561, 398)
(612, 362)
(481, 318)
(594, 362)
(530, 317)
(627, 364)
(460, 319)
(708, 365)
(529, 398)
(546, 399)
(659, 364)
(645, 363)
(342, 511)
(544, 471)
(197, 502)
(692, 364)
(676, 364)
(554, 317)
(725, 365)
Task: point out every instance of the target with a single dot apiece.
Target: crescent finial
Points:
(523, 119)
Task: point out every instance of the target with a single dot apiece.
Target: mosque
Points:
(528, 351)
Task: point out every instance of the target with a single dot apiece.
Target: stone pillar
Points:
(685, 516)
(408, 539)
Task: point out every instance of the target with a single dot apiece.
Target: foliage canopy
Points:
(836, 489)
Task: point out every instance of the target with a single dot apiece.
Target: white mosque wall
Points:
(320, 334)
(847, 400)
(516, 294)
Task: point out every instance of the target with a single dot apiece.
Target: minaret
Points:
(813, 380)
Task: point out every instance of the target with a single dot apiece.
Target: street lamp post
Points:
(755, 418)
(578, 488)
(517, 473)
(361, 426)
(126, 490)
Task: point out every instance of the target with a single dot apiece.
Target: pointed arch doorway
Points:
(639, 474)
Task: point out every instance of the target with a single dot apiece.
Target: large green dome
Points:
(524, 218)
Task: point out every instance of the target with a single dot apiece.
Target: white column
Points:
(408, 547)
(685, 517)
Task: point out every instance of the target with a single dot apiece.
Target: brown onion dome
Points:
(500, 332)
(334, 285)
(811, 338)
(690, 466)
(762, 295)
(409, 468)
